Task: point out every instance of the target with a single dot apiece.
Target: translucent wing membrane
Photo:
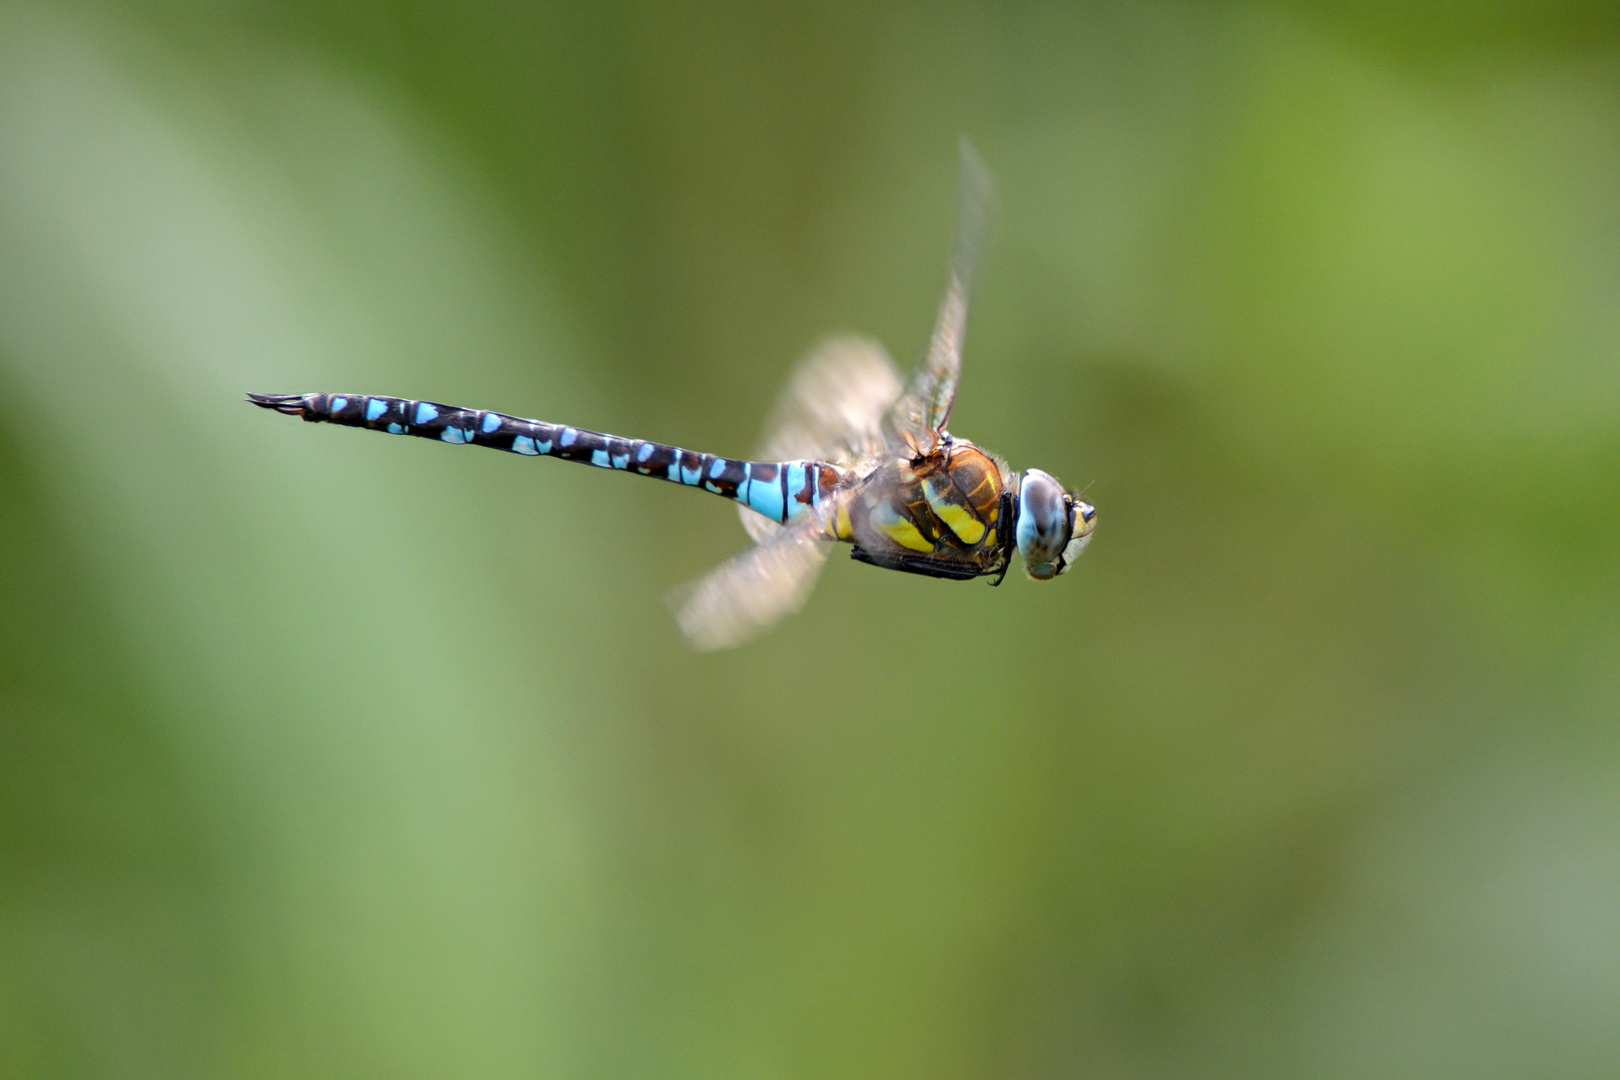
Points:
(845, 405)
(753, 591)
(922, 413)
(831, 410)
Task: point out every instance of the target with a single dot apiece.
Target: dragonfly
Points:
(851, 455)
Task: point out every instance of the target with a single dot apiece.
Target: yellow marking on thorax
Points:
(906, 535)
(837, 526)
(973, 483)
(958, 518)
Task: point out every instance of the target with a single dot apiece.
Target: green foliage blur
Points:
(329, 755)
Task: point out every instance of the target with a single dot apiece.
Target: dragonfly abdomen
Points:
(779, 490)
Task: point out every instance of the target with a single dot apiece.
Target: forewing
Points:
(831, 410)
(926, 406)
(752, 591)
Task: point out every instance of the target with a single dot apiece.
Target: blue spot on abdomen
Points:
(425, 413)
(766, 498)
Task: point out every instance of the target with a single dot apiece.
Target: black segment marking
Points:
(317, 408)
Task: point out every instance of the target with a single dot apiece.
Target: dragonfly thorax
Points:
(1054, 526)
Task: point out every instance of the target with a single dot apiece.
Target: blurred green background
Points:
(326, 755)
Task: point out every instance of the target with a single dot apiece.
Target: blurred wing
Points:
(921, 414)
(831, 410)
(753, 591)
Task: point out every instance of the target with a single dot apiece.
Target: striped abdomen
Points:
(780, 491)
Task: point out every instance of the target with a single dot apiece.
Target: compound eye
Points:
(1043, 519)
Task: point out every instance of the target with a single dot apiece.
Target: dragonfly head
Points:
(1054, 526)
